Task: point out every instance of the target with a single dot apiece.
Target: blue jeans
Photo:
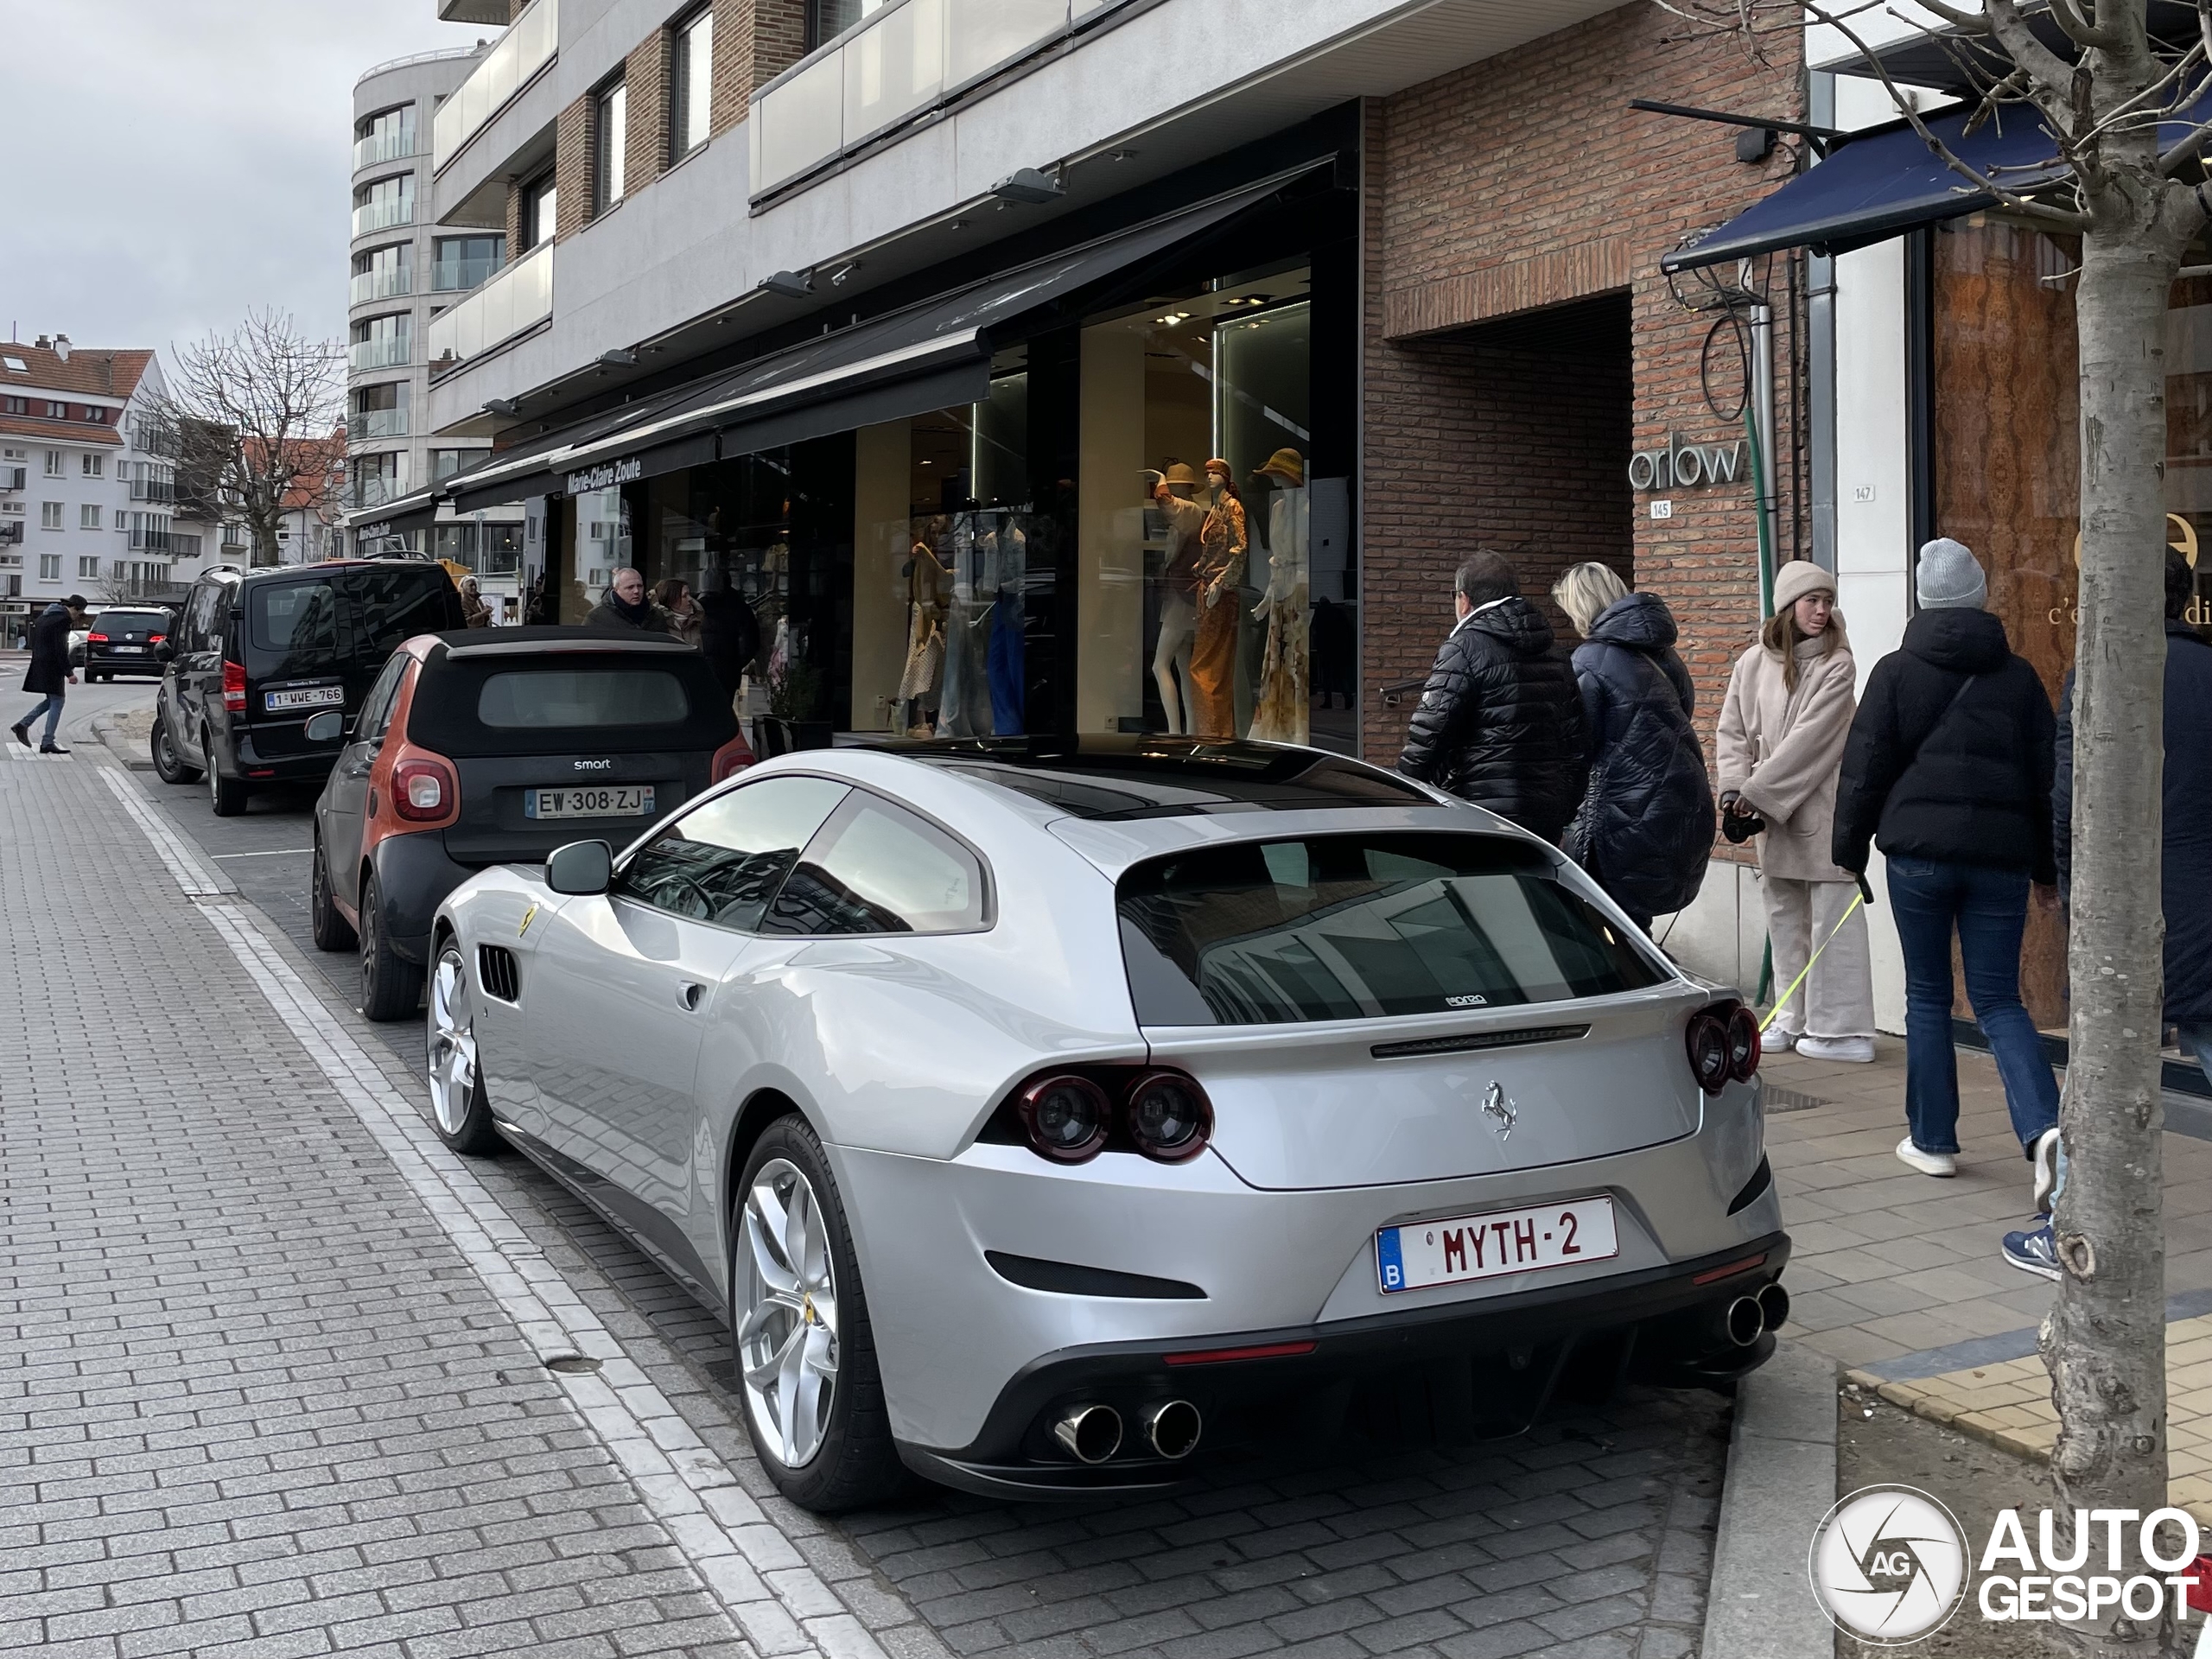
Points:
(51, 708)
(1989, 909)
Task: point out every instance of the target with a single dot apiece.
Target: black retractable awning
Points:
(932, 355)
(1886, 181)
(396, 517)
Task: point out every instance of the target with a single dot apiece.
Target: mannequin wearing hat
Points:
(1222, 542)
(1283, 713)
(1178, 601)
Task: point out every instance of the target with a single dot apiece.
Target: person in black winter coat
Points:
(729, 632)
(1500, 720)
(2185, 865)
(1645, 829)
(49, 673)
(1948, 770)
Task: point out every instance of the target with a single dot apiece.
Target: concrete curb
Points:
(129, 754)
(1781, 1482)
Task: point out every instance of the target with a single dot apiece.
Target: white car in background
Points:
(1043, 1115)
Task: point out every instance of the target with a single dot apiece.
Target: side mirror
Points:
(165, 653)
(580, 868)
(325, 727)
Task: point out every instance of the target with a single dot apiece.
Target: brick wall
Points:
(1525, 182)
(573, 172)
(514, 220)
(755, 40)
(646, 75)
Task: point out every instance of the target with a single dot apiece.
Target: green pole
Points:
(1766, 609)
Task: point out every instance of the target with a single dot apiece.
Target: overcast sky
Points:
(171, 163)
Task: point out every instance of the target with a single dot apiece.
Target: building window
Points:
(387, 202)
(384, 273)
(57, 411)
(384, 342)
(14, 406)
(458, 262)
(444, 463)
(691, 100)
(380, 411)
(88, 518)
(89, 567)
(389, 137)
(95, 466)
(55, 461)
(379, 478)
(827, 19)
(49, 515)
(49, 567)
(540, 204)
(610, 128)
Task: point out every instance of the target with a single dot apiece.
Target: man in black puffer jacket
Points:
(1500, 721)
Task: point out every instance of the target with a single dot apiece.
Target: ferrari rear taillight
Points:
(1070, 1117)
(731, 759)
(234, 687)
(423, 790)
(1723, 1042)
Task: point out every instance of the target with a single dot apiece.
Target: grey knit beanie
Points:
(1950, 575)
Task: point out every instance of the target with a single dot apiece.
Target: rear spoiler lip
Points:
(643, 645)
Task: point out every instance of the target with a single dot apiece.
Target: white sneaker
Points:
(1927, 1163)
(1858, 1049)
(2044, 1152)
(1774, 1041)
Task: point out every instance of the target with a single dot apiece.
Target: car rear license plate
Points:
(1452, 1251)
(606, 801)
(305, 697)
(131, 651)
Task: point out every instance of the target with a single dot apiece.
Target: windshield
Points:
(1352, 927)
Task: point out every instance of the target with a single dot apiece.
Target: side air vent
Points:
(496, 972)
(1473, 1040)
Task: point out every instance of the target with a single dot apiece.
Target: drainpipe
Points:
(1762, 447)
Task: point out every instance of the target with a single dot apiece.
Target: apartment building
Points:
(405, 272)
(90, 498)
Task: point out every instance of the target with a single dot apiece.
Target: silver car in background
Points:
(1043, 1115)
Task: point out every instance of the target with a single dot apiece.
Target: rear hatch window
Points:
(571, 702)
(115, 623)
(345, 620)
(1362, 927)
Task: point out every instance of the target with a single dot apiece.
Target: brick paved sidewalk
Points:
(1896, 1276)
(257, 1400)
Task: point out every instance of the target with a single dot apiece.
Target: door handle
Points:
(687, 996)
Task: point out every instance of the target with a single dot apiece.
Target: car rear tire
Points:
(225, 795)
(332, 931)
(168, 765)
(461, 1110)
(392, 986)
(801, 1331)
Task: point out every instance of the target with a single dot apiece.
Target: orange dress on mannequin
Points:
(1222, 545)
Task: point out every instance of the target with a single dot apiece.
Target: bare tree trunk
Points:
(2105, 1341)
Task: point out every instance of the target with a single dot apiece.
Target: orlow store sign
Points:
(607, 476)
(1686, 465)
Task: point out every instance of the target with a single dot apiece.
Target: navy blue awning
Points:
(1885, 182)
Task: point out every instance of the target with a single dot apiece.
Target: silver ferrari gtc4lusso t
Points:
(1042, 1112)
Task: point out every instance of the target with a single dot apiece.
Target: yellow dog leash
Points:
(1864, 897)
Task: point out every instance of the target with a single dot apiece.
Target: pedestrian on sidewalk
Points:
(674, 596)
(1783, 728)
(1500, 720)
(49, 673)
(2184, 853)
(1948, 770)
(1644, 830)
(625, 608)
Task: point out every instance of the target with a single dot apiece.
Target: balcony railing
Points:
(458, 276)
(899, 62)
(527, 46)
(384, 351)
(183, 545)
(153, 489)
(383, 147)
(388, 282)
(382, 212)
(519, 298)
(378, 424)
(374, 489)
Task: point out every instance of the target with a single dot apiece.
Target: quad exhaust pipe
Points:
(1748, 1317)
(1092, 1432)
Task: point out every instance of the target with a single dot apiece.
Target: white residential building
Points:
(89, 497)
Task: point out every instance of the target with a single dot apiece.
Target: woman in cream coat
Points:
(1782, 729)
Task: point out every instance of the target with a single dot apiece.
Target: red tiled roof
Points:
(75, 432)
(89, 373)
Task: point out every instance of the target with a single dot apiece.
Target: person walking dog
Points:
(1783, 728)
(49, 673)
(1644, 829)
(1948, 770)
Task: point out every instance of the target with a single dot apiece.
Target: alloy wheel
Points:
(453, 1044)
(787, 1317)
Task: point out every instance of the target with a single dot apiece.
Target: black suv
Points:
(268, 668)
(124, 639)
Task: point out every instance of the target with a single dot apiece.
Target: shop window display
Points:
(1195, 596)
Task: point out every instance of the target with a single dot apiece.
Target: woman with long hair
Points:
(673, 595)
(1782, 729)
(1644, 829)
